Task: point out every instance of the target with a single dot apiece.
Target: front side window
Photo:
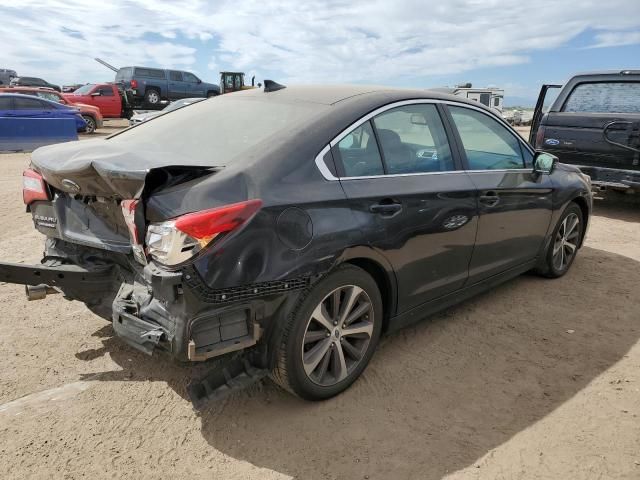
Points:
(189, 77)
(487, 143)
(413, 140)
(106, 92)
(49, 96)
(604, 97)
(359, 153)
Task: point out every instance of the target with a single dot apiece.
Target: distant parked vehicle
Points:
(33, 82)
(15, 105)
(150, 86)
(112, 102)
(143, 117)
(71, 88)
(91, 114)
(6, 75)
(594, 123)
(489, 97)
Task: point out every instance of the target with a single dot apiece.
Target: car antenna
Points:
(271, 86)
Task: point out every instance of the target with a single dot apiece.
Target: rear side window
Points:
(413, 140)
(604, 97)
(175, 76)
(27, 104)
(359, 153)
(150, 72)
(5, 103)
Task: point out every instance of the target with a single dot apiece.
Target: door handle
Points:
(489, 199)
(387, 209)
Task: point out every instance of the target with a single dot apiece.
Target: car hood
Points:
(101, 168)
(143, 117)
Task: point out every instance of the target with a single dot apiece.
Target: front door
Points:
(410, 200)
(514, 203)
(108, 103)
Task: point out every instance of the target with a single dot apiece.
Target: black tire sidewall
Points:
(552, 271)
(298, 379)
(90, 121)
(148, 93)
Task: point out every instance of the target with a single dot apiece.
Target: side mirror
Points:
(544, 163)
(95, 94)
(199, 81)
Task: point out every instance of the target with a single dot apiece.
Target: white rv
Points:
(491, 97)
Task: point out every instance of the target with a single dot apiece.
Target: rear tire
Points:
(564, 244)
(91, 124)
(152, 97)
(330, 336)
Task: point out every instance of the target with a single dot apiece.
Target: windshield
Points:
(84, 89)
(216, 131)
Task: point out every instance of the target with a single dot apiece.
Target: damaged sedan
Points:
(282, 230)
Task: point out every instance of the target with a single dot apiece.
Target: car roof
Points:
(20, 88)
(334, 94)
(19, 95)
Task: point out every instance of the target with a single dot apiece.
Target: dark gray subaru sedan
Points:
(287, 228)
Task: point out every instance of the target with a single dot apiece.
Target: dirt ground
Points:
(537, 379)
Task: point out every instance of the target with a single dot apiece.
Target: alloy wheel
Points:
(153, 97)
(337, 335)
(566, 242)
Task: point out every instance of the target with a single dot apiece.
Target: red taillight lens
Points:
(209, 223)
(539, 137)
(134, 84)
(33, 187)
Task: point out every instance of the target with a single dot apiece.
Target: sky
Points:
(516, 45)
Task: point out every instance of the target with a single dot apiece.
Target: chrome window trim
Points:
(326, 173)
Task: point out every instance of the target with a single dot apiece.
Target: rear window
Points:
(604, 97)
(149, 72)
(217, 132)
(124, 74)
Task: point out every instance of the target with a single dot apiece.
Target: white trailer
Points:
(491, 97)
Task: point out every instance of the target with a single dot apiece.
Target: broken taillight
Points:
(175, 241)
(33, 187)
(129, 213)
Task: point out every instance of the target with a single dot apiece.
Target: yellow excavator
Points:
(234, 81)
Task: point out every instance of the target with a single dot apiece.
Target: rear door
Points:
(514, 203)
(177, 86)
(411, 200)
(593, 125)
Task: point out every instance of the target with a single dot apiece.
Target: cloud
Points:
(616, 39)
(374, 41)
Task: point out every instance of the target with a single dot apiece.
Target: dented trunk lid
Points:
(104, 169)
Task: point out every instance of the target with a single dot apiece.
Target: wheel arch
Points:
(584, 208)
(382, 273)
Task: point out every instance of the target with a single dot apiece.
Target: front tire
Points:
(330, 336)
(91, 124)
(564, 243)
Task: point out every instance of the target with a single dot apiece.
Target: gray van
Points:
(150, 86)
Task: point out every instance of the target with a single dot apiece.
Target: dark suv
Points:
(33, 82)
(594, 123)
(153, 85)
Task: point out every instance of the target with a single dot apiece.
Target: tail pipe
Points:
(38, 292)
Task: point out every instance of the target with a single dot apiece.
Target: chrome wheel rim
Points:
(566, 242)
(153, 97)
(337, 335)
(91, 126)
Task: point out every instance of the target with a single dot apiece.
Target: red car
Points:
(90, 113)
(105, 96)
